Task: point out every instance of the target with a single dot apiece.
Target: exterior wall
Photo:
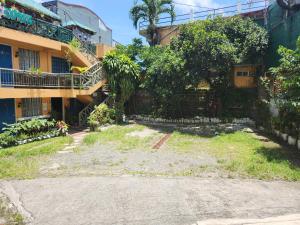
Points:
(167, 33)
(245, 81)
(284, 30)
(102, 49)
(88, 18)
(46, 104)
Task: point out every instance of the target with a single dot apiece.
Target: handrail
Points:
(28, 79)
(231, 10)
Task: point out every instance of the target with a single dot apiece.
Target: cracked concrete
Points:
(150, 201)
(15, 198)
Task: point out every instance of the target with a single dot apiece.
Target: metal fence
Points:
(228, 11)
(41, 28)
(28, 79)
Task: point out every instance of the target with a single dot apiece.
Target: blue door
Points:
(6, 62)
(7, 112)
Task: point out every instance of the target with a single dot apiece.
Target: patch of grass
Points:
(245, 155)
(187, 143)
(241, 154)
(118, 136)
(22, 162)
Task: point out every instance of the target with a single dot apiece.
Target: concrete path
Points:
(154, 201)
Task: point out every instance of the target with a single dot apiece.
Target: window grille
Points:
(29, 59)
(31, 107)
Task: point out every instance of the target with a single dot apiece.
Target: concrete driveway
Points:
(153, 201)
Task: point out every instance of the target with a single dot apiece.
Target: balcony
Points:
(41, 28)
(26, 79)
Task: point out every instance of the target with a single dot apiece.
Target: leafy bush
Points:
(100, 116)
(6, 140)
(31, 128)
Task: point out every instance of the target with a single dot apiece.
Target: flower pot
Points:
(292, 141)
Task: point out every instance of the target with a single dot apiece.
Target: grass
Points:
(10, 215)
(243, 155)
(238, 155)
(22, 162)
(118, 136)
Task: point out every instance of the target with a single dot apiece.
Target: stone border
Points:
(196, 120)
(290, 140)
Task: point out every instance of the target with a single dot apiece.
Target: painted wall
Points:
(46, 104)
(244, 81)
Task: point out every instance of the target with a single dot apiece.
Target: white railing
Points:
(28, 79)
(232, 10)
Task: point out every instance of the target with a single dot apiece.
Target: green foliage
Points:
(212, 46)
(7, 140)
(123, 74)
(31, 129)
(81, 70)
(288, 74)
(150, 11)
(286, 89)
(100, 116)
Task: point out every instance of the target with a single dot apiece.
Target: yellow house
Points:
(35, 67)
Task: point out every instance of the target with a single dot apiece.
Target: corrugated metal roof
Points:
(35, 6)
(73, 23)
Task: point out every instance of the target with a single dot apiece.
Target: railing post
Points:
(72, 81)
(0, 77)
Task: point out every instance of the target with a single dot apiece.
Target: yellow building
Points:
(35, 67)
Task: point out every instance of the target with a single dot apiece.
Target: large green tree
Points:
(210, 47)
(150, 12)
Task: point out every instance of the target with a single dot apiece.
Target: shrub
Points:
(6, 140)
(31, 128)
(100, 116)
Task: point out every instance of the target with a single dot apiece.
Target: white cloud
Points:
(183, 4)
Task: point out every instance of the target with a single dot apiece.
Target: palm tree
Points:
(150, 11)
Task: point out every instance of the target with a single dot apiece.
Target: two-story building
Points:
(36, 59)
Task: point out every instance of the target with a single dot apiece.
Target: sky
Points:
(115, 13)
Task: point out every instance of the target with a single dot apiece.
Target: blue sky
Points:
(115, 13)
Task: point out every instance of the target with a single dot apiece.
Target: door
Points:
(56, 108)
(7, 112)
(6, 62)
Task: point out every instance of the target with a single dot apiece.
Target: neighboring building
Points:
(36, 80)
(83, 21)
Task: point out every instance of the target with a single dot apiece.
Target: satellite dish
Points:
(288, 4)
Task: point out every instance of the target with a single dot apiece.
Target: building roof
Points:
(35, 6)
(77, 24)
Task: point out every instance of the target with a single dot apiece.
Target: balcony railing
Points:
(27, 79)
(41, 28)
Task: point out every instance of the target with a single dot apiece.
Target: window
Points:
(242, 74)
(29, 59)
(31, 107)
(60, 65)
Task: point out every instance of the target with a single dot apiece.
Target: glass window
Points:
(29, 59)
(31, 107)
